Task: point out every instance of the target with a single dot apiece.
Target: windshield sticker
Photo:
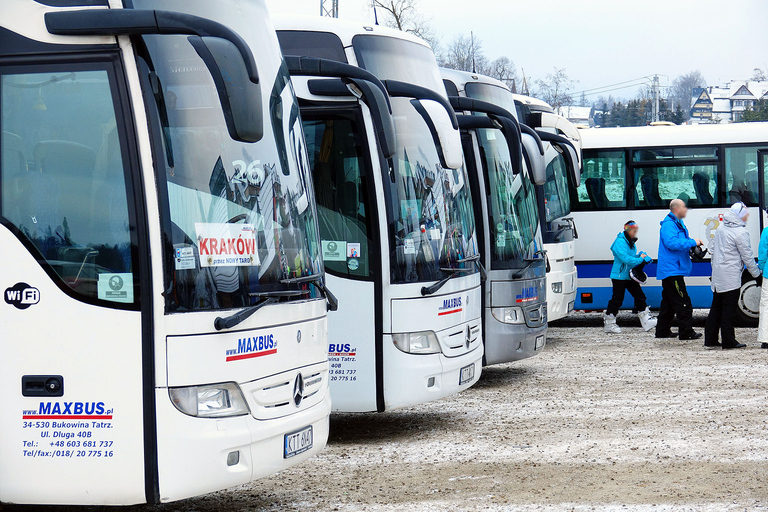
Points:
(227, 245)
(255, 346)
(501, 240)
(116, 287)
(21, 295)
(353, 250)
(334, 250)
(410, 246)
(409, 209)
(184, 258)
(450, 306)
(353, 264)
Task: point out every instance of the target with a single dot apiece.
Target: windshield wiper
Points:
(317, 280)
(531, 261)
(272, 297)
(454, 272)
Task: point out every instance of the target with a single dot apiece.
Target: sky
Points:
(598, 42)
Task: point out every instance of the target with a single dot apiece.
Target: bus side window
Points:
(655, 187)
(63, 182)
(603, 181)
(741, 175)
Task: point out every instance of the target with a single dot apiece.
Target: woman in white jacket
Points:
(731, 253)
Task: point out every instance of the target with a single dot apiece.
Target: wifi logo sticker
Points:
(21, 295)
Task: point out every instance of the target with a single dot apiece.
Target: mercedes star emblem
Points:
(298, 390)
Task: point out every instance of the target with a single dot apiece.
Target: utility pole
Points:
(524, 90)
(329, 8)
(472, 38)
(656, 92)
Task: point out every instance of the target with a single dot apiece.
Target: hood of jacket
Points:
(732, 221)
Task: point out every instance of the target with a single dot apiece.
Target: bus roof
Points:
(535, 104)
(685, 135)
(345, 30)
(461, 78)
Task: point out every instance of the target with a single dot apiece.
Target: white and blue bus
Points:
(633, 174)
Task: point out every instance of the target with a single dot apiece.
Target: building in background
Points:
(726, 103)
(582, 117)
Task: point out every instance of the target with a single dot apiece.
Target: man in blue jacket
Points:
(673, 266)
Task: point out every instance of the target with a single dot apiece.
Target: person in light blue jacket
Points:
(762, 264)
(673, 266)
(627, 259)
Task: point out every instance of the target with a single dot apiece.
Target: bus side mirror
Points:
(535, 160)
(240, 97)
(446, 136)
(383, 121)
(571, 163)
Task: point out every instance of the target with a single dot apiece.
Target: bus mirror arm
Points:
(571, 155)
(222, 49)
(331, 300)
(530, 131)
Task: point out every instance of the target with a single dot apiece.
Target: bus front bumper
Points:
(505, 343)
(411, 379)
(201, 455)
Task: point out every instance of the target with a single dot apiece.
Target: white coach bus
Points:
(633, 174)
(503, 186)
(164, 316)
(395, 212)
(554, 197)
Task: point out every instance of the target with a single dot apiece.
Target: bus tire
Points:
(748, 309)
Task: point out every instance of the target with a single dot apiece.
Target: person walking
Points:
(731, 253)
(674, 265)
(626, 258)
(762, 260)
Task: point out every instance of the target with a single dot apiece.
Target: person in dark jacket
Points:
(732, 252)
(674, 265)
(625, 258)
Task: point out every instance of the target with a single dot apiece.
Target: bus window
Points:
(556, 190)
(341, 175)
(602, 181)
(63, 182)
(655, 187)
(741, 175)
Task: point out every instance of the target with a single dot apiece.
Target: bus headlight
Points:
(211, 401)
(424, 342)
(512, 315)
(557, 287)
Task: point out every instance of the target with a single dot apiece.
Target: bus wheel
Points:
(748, 312)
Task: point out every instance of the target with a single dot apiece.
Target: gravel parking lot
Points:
(596, 422)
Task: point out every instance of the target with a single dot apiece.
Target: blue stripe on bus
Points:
(701, 297)
(592, 270)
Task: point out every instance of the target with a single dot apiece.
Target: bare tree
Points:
(555, 88)
(682, 91)
(465, 54)
(758, 75)
(405, 15)
(502, 69)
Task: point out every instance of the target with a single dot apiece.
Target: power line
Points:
(639, 80)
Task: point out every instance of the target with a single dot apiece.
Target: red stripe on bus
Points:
(251, 356)
(449, 312)
(65, 417)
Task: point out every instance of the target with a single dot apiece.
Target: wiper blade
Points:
(476, 260)
(272, 297)
(531, 261)
(429, 290)
(317, 280)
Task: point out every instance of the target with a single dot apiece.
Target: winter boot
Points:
(647, 320)
(610, 324)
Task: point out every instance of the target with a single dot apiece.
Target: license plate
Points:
(539, 342)
(467, 374)
(298, 442)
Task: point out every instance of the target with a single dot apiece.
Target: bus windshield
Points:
(238, 217)
(556, 195)
(429, 208)
(513, 216)
(492, 94)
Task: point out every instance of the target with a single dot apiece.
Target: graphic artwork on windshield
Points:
(513, 214)
(430, 207)
(241, 216)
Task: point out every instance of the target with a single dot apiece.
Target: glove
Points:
(647, 259)
(759, 280)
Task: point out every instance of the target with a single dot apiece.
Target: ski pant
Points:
(722, 314)
(675, 301)
(619, 287)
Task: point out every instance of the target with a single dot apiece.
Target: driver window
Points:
(62, 179)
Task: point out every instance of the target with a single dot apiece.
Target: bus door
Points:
(70, 320)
